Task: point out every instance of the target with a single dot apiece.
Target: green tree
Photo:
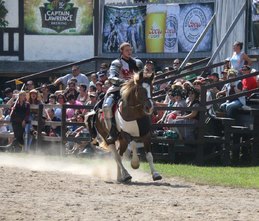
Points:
(3, 12)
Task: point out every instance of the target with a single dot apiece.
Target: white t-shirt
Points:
(81, 79)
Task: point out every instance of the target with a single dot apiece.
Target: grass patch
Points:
(244, 177)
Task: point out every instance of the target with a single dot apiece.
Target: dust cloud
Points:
(103, 168)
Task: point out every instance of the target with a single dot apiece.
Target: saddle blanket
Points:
(136, 128)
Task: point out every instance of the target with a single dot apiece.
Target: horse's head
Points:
(137, 93)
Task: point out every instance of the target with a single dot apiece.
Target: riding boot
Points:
(112, 136)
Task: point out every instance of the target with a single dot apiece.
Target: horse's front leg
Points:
(122, 173)
(155, 174)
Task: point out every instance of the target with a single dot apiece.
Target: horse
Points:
(133, 121)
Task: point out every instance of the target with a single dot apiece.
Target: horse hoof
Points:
(127, 179)
(157, 176)
(135, 165)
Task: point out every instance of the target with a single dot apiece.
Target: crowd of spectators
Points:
(78, 89)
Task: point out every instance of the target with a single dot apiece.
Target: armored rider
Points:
(121, 70)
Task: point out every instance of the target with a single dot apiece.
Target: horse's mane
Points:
(128, 88)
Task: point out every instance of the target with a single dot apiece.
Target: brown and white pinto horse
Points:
(133, 120)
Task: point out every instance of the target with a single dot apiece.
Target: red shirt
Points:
(249, 83)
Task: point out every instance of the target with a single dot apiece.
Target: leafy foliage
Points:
(3, 13)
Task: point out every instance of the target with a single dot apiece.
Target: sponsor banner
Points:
(72, 17)
(255, 10)
(169, 28)
(193, 20)
(124, 24)
(172, 25)
(155, 28)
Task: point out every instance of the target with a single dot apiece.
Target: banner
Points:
(193, 20)
(66, 17)
(124, 24)
(169, 28)
(172, 25)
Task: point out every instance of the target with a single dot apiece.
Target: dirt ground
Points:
(39, 188)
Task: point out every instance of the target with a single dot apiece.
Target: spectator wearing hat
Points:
(33, 97)
(81, 78)
(227, 64)
(178, 98)
(224, 75)
(52, 99)
(104, 67)
(214, 77)
(239, 58)
(191, 117)
(250, 82)
(149, 68)
(92, 99)
(102, 77)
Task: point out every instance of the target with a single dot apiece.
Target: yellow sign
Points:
(155, 32)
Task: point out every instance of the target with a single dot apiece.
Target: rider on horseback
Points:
(120, 70)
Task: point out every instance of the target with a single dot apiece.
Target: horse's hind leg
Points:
(122, 173)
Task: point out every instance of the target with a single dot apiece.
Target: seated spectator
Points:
(104, 67)
(231, 105)
(94, 79)
(102, 77)
(45, 93)
(190, 117)
(177, 97)
(81, 131)
(83, 93)
(8, 92)
(224, 75)
(34, 97)
(29, 86)
(248, 83)
(52, 99)
(92, 88)
(60, 100)
(98, 85)
(149, 67)
(51, 130)
(176, 64)
(71, 100)
(71, 89)
(92, 99)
